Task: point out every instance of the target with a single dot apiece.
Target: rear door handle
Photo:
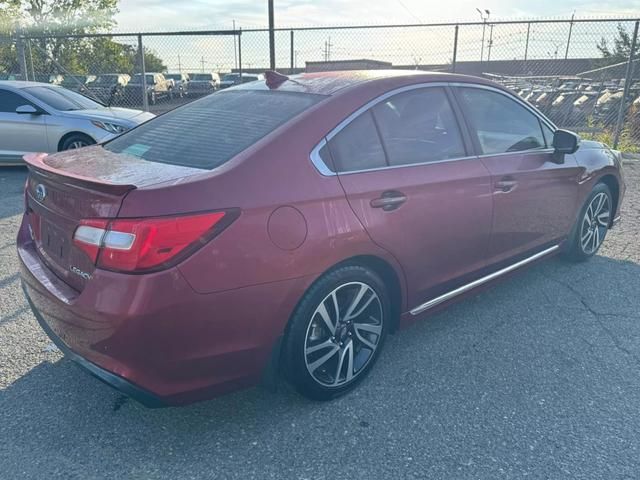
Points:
(389, 200)
(506, 184)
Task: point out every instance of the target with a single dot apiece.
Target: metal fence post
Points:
(143, 72)
(272, 38)
(22, 59)
(292, 54)
(240, 53)
(627, 85)
(455, 49)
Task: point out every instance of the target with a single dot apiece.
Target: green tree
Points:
(621, 47)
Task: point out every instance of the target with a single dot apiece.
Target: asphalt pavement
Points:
(537, 377)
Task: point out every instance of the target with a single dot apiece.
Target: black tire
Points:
(76, 140)
(576, 250)
(347, 281)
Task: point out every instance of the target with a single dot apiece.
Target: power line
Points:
(409, 11)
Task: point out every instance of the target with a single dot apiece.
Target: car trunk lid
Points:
(65, 188)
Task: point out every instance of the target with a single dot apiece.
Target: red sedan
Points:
(290, 224)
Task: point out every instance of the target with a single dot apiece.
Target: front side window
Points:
(502, 125)
(357, 146)
(10, 101)
(419, 126)
(208, 132)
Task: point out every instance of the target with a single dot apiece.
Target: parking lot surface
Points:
(538, 377)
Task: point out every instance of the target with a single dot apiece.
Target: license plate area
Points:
(54, 242)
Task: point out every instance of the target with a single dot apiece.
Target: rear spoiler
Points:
(36, 163)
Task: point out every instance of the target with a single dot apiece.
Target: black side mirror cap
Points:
(565, 141)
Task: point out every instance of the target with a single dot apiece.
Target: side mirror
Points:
(27, 110)
(565, 141)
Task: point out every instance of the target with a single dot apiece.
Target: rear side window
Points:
(419, 126)
(357, 146)
(501, 124)
(208, 132)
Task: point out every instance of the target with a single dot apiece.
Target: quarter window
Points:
(357, 146)
(501, 124)
(419, 126)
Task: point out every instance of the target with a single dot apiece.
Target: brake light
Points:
(144, 244)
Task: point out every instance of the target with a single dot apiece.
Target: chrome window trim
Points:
(324, 169)
(317, 161)
(481, 281)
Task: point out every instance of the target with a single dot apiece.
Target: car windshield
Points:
(73, 81)
(201, 76)
(173, 76)
(62, 99)
(137, 79)
(194, 136)
(106, 80)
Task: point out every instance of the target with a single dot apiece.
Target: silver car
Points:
(40, 117)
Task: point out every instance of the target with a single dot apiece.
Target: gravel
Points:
(537, 377)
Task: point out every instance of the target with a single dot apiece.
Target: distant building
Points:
(333, 65)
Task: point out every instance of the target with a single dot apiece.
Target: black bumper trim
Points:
(143, 396)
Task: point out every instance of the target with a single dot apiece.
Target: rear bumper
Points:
(143, 396)
(152, 336)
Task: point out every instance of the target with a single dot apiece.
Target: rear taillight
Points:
(146, 244)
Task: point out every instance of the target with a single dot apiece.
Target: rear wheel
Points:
(77, 140)
(337, 332)
(592, 225)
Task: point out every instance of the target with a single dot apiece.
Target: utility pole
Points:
(179, 65)
(272, 38)
(202, 62)
(490, 42)
(566, 53)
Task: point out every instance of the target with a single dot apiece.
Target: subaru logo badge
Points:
(41, 192)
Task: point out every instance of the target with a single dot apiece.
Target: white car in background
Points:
(40, 117)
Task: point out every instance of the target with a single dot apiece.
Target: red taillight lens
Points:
(133, 245)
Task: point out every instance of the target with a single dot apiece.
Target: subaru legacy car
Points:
(185, 260)
(38, 117)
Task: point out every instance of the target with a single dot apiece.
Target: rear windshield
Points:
(208, 132)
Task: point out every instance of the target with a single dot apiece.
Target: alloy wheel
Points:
(595, 223)
(343, 334)
(78, 144)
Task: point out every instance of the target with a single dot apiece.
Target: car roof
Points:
(19, 84)
(331, 83)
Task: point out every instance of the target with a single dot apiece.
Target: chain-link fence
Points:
(583, 74)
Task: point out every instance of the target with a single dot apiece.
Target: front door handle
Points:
(506, 184)
(389, 200)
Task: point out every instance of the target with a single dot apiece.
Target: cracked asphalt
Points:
(537, 377)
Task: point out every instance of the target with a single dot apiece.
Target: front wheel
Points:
(592, 225)
(337, 332)
(75, 141)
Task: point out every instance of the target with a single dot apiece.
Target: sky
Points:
(400, 46)
(216, 14)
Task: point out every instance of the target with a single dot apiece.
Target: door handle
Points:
(389, 200)
(506, 184)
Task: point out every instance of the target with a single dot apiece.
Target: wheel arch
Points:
(68, 135)
(612, 182)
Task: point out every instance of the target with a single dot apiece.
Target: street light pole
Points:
(484, 28)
